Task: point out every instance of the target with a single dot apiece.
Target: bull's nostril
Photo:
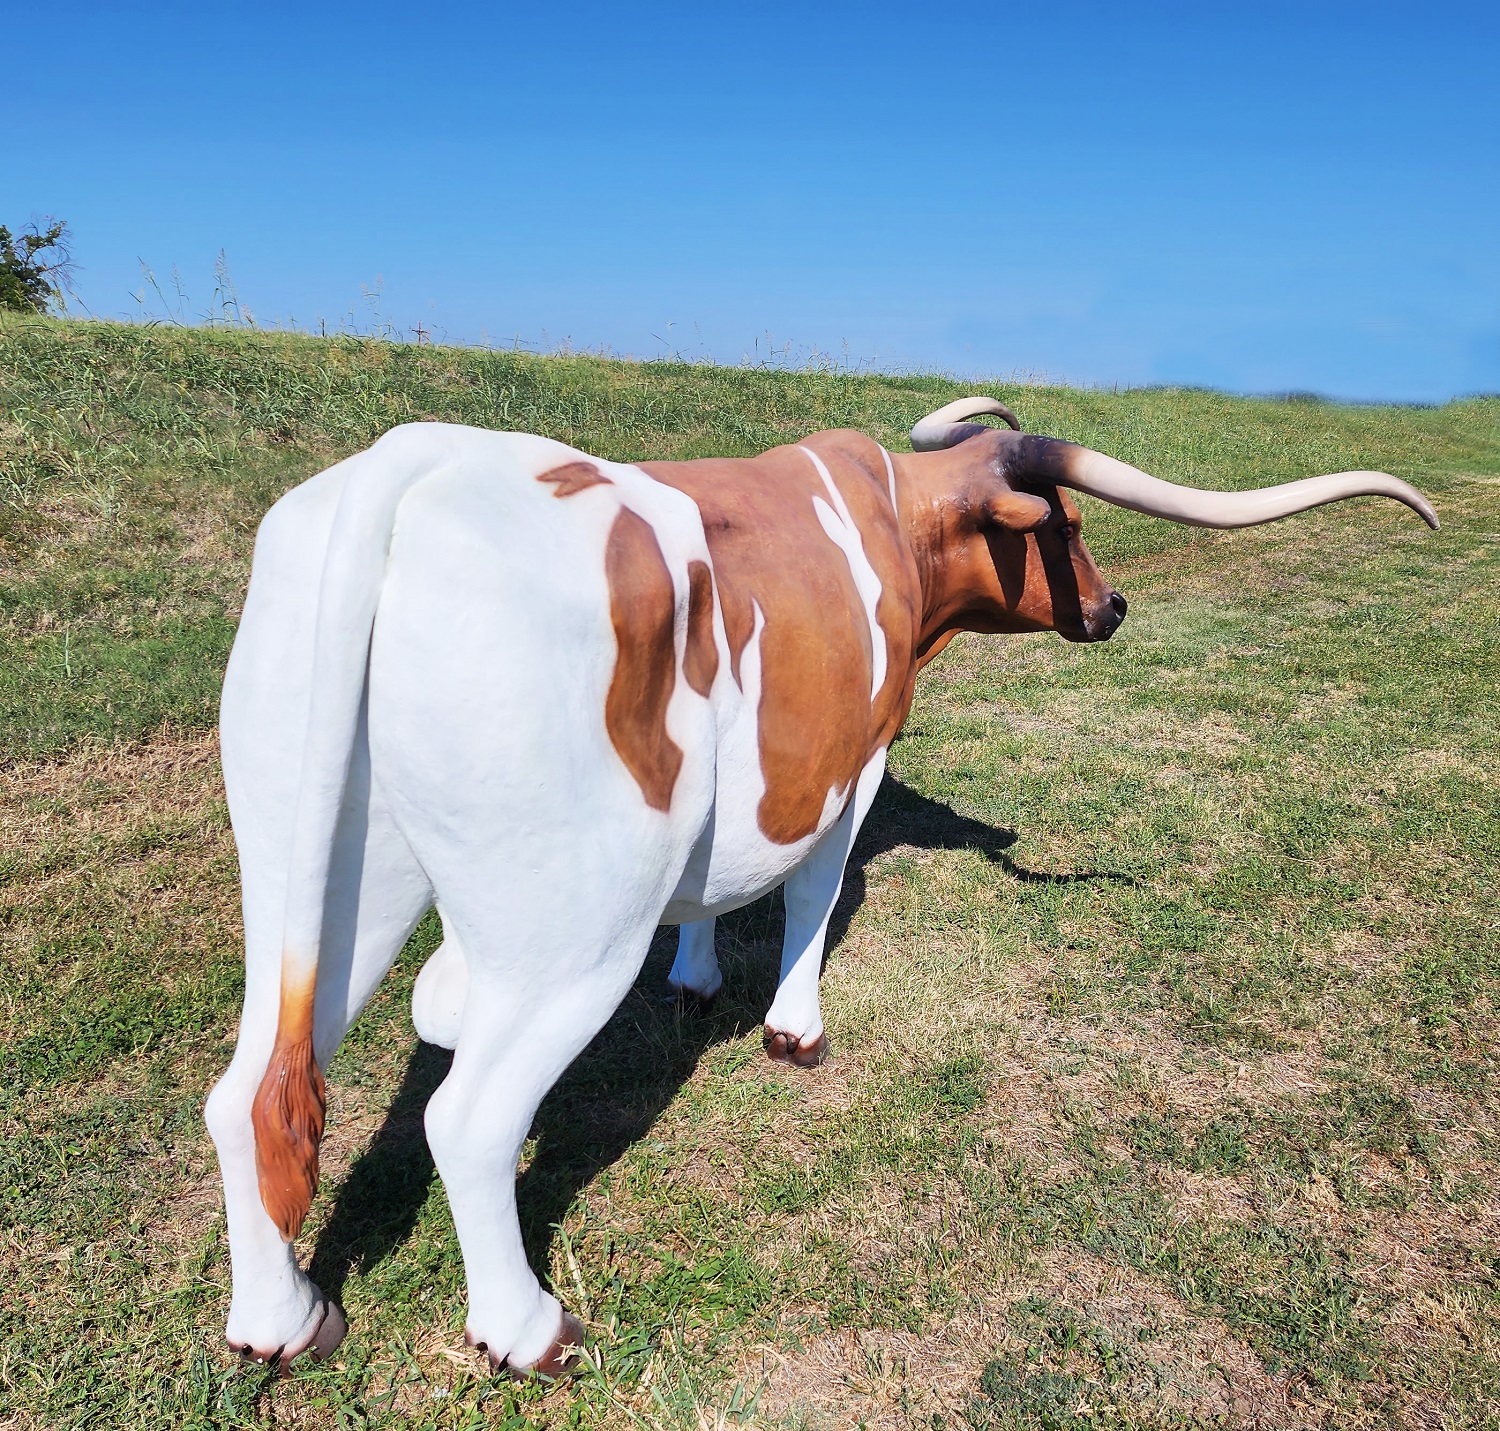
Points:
(1119, 604)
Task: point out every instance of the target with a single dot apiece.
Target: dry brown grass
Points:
(1187, 1365)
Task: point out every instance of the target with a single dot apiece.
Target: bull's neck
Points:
(930, 491)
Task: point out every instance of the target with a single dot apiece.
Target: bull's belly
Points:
(743, 874)
(742, 871)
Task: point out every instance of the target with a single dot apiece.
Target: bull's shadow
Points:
(620, 1084)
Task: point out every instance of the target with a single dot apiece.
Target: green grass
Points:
(1163, 993)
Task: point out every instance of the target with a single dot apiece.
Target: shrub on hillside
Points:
(30, 282)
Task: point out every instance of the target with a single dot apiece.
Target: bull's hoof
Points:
(559, 1360)
(319, 1339)
(785, 1048)
(331, 1332)
(691, 1002)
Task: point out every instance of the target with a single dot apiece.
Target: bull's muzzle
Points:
(1108, 618)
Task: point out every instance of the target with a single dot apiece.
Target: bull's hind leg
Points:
(376, 895)
(545, 974)
(549, 960)
(512, 1050)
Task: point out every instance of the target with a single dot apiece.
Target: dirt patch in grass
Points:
(1124, 1351)
(108, 788)
(118, 875)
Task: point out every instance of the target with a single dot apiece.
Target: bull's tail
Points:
(288, 1110)
(288, 1118)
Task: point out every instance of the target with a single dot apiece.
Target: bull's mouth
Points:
(1091, 634)
(1103, 621)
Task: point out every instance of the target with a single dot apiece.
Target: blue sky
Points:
(1261, 198)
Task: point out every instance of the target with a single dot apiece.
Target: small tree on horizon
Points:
(29, 281)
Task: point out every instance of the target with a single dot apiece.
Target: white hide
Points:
(446, 617)
(695, 970)
(441, 992)
(838, 523)
(890, 479)
(812, 890)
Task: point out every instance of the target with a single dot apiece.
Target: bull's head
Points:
(1005, 550)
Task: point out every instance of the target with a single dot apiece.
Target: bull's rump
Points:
(496, 650)
(495, 658)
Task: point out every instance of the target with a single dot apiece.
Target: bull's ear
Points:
(1018, 511)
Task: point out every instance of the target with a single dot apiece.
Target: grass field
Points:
(1163, 993)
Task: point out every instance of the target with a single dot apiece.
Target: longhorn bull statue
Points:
(568, 700)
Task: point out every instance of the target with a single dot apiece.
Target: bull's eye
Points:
(1067, 531)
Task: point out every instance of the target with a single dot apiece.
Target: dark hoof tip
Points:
(330, 1331)
(497, 1363)
(694, 1004)
(559, 1360)
(784, 1048)
(260, 1358)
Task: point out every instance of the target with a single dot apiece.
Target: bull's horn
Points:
(1045, 459)
(945, 427)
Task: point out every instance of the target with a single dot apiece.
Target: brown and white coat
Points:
(568, 700)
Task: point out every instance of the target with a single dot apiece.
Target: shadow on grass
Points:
(901, 818)
(621, 1083)
(379, 1201)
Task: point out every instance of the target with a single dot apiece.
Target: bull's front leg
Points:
(794, 1023)
(695, 976)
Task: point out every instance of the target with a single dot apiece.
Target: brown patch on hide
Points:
(700, 659)
(929, 650)
(287, 1115)
(817, 723)
(642, 607)
(573, 478)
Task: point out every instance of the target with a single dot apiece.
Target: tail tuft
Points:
(288, 1119)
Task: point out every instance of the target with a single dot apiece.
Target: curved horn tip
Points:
(946, 426)
(1404, 493)
(1127, 486)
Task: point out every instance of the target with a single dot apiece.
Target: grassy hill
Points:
(1162, 995)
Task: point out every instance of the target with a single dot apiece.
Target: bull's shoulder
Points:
(749, 500)
(857, 448)
(810, 564)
